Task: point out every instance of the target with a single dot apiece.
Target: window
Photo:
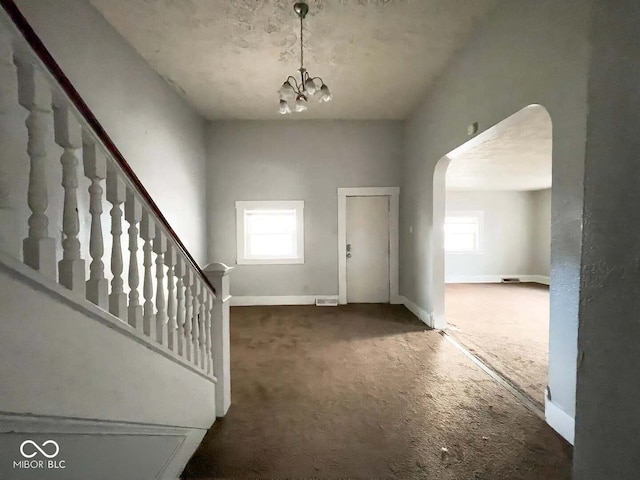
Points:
(270, 232)
(462, 232)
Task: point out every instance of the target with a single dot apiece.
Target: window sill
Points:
(270, 261)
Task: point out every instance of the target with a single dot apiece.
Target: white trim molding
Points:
(539, 279)
(428, 318)
(394, 221)
(423, 315)
(496, 278)
(247, 301)
(559, 420)
(269, 206)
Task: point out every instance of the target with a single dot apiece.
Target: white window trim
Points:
(242, 206)
(479, 214)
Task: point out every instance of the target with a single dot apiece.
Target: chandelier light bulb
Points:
(310, 86)
(286, 90)
(325, 94)
(284, 107)
(301, 103)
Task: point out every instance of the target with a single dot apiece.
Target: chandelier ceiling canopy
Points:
(297, 94)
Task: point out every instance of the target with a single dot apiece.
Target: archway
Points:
(492, 196)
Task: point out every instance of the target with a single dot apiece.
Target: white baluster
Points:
(208, 326)
(202, 343)
(116, 194)
(11, 148)
(148, 233)
(210, 306)
(188, 316)
(39, 250)
(159, 247)
(133, 215)
(9, 85)
(8, 76)
(68, 134)
(180, 308)
(172, 326)
(195, 326)
(95, 169)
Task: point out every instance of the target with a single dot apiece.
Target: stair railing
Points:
(147, 278)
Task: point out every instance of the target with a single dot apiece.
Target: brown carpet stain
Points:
(365, 391)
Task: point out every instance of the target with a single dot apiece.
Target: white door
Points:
(368, 249)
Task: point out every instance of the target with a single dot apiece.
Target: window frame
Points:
(479, 216)
(242, 206)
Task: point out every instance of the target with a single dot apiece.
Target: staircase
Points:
(114, 344)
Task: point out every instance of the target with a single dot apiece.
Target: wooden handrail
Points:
(54, 69)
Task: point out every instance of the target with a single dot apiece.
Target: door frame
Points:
(394, 221)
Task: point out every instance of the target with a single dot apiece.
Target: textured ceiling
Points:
(513, 155)
(229, 58)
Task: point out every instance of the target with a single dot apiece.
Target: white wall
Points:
(525, 52)
(509, 235)
(161, 137)
(294, 160)
(83, 378)
(541, 235)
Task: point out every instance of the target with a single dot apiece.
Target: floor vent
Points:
(326, 302)
(510, 280)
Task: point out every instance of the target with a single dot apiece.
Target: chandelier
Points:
(294, 94)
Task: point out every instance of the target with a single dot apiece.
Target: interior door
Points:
(368, 249)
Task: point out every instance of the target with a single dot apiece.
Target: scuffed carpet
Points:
(365, 391)
(507, 326)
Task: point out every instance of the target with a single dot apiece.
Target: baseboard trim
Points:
(424, 316)
(397, 300)
(496, 278)
(559, 420)
(249, 300)
(256, 300)
(35, 423)
(540, 279)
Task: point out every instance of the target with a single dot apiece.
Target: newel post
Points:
(218, 275)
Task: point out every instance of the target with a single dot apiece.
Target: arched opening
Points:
(491, 251)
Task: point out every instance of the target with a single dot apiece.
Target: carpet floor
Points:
(366, 391)
(507, 326)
